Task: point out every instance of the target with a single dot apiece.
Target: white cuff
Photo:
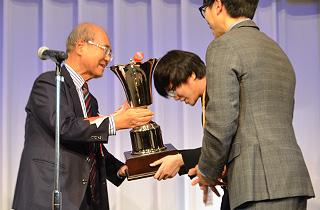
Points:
(112, 126)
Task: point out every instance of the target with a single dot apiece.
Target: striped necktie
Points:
(87, 99)
(92, 147)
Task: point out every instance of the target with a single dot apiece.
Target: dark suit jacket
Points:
(190, 158)
(249, 112)
(35, 182)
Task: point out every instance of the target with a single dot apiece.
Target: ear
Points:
(193, 76)
(218, 5)
(80, 46)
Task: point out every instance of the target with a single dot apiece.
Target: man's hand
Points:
(122, 171)
(132, 117)
(122, 108)
(170, 166)
(205, 182)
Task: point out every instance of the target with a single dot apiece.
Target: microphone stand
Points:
(58, 57)
(56, 193)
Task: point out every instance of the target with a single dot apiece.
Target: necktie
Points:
(87, 99)
(92, 147)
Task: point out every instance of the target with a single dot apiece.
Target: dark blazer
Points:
(190, 158)
(249, 113)
(35, 182)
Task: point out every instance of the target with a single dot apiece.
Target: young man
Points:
(249, 111)
(181, 75)
(85, 163)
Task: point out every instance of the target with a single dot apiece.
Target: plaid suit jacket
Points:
(249, 112)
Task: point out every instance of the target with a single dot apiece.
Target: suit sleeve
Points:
(42, 106)
(222, 107)
(112, 165)
(190, 158)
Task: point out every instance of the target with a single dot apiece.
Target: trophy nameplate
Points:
(146, 141)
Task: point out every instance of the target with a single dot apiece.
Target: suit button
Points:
(84, 181)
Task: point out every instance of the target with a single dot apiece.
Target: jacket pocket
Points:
(234, 151)
(48, 163)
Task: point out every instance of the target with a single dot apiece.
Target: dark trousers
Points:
(225, 204)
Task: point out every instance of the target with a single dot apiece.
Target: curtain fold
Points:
(152, 27)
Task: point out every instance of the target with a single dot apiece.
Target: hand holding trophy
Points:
(146, 140)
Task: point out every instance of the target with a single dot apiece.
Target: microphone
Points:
(57, 56)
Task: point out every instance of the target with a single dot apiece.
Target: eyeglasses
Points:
(171, 93)
(107, 51)
(202, 9)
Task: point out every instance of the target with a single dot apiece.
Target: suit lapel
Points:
(72, 92)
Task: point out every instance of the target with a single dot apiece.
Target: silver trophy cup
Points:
(146, 140)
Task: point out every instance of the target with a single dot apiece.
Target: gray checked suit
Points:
(249, 112)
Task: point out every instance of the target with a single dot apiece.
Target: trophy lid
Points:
(135, 78)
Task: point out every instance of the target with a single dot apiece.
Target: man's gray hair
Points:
(82, 31)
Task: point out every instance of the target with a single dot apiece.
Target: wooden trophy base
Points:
(138, 165)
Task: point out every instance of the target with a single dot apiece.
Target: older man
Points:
(85, 163)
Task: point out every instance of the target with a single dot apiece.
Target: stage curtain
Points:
(152, 27)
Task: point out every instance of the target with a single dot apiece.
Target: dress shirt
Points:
(78, 82)
(235, 23)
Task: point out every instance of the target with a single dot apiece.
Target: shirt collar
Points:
(235, 23)
(77, 79)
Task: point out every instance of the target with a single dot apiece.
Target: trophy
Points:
(146, 140)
